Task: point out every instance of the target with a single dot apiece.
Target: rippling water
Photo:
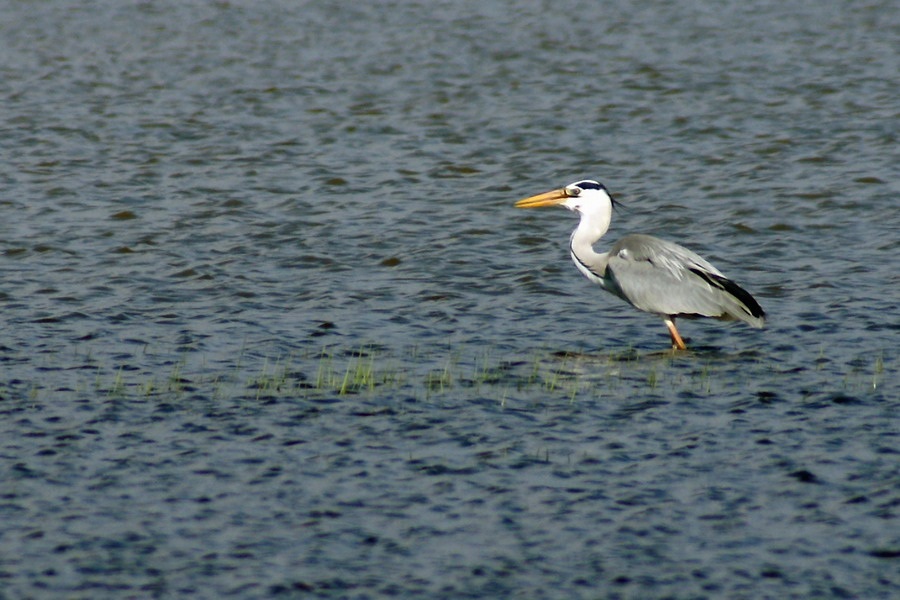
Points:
(272, 326)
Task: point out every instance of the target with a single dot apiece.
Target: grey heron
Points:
(649, 273)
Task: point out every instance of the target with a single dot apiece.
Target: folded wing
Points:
(661, 277)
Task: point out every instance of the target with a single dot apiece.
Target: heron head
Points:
(585, 196)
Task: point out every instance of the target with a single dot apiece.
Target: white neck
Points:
(591, 228)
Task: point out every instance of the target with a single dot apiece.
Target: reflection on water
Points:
(269, 313)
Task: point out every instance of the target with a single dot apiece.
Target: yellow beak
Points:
(546, 199)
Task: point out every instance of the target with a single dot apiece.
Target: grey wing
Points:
(664, 278)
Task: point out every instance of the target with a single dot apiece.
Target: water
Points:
(271, 325)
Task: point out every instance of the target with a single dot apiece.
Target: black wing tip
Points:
(723, 283)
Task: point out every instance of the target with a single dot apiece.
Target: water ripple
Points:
(272, 325)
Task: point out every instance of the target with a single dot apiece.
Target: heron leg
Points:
(677, 342)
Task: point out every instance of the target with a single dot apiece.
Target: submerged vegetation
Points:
(545, 376)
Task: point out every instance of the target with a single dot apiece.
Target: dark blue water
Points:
(272, 327)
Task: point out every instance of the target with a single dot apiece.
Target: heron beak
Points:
(546, 199)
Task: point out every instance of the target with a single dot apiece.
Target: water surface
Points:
(271, 325)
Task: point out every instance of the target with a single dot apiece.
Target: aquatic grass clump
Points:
(866, 372)
(358, 374)
(878, 370)
(441, 379)
(276, 380)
